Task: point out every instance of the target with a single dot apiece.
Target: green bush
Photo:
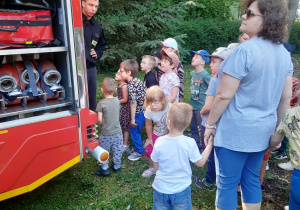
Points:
(205, 34)
(133, 29)
(294, 39)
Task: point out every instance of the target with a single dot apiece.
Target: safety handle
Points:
(11, 29)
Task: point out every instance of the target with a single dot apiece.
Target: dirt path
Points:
(277, 187)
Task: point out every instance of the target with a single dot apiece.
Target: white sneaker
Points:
(286, 208)
(286, 166)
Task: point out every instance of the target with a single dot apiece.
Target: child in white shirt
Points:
(171, 156)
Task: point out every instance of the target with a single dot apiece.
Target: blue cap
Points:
(203, 53)
(288, 47)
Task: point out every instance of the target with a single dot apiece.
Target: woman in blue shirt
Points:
(253, 94)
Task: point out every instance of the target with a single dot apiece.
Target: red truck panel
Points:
(32, 151)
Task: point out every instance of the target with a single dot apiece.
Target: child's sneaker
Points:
(134, 156)
(118, 170)
(280, 156)
(102, 172)
(286, 166)
(149, 172)
(201, 183)
(126, 149)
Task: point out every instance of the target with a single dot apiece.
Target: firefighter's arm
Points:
(100, 118)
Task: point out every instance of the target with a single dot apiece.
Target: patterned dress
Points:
(124, 111)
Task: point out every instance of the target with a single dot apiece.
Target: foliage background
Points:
(134, 28)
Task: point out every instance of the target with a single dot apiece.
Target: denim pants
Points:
(92, 87)
(136, 133)
(196, 127)
(177, 201)
(294, 202)
(233, 167)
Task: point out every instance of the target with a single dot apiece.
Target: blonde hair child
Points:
(157, 107)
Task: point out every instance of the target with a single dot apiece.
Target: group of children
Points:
(155, 103)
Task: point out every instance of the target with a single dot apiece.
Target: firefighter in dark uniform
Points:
(94, 46)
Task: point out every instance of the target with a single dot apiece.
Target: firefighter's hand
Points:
(133, 124)
(94, 54)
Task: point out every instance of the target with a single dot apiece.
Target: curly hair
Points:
(275, 19)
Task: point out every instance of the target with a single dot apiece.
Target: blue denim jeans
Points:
(233, 167)
(196, 127)
(294, 202)
(136, 133)
(176, 201)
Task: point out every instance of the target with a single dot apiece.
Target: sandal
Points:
(149, 172)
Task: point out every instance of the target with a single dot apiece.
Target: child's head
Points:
(118, 76)
(179, 116)
(199, 57)
(243, 37)
(131, 68)
(156, 99)
(169, 61)
(148, 62)
(217, 57)
(295, 64)
(157, 55)
(169, 43)
(109, 86)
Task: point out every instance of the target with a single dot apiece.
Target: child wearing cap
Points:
(199, 82)
(169, 81)
(217, 58)
(171, 45)
(147, 64)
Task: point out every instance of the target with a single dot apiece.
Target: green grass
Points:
(80, 188)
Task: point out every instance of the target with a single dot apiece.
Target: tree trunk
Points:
(293, 7)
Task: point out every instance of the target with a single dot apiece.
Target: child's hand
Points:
(133, 124)
(211, 140)
(271, 149)
(148, 142)
(209, 132)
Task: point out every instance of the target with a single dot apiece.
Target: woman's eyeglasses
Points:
(143, 62)
(250, 13)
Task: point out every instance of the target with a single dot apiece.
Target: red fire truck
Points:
(41, 138)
